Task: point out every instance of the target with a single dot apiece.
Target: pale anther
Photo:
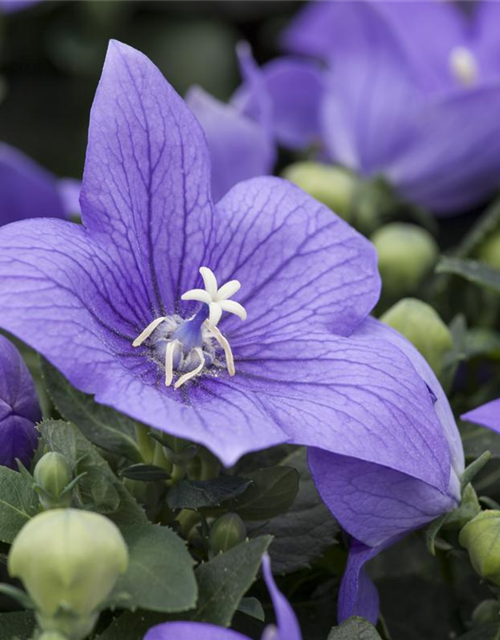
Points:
(463, 65)
(216, 332)
(192, 374)
(147, 331)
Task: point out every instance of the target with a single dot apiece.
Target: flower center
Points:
(463, 65)
(186, 348)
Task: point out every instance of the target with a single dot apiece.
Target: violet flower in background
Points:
(117, 305)
(240, 139)
(13, 6)
(19, 408)
(412, 102)
(488, 415)
(27, 190)
(287, 626)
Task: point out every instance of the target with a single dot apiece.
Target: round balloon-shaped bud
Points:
(52, 635)
(422, 326)
(333, 186)
(489, 251)
(486, 612)
(52, 475)
(226, 532)
(481, 538)
(406, 255)
(69, 561)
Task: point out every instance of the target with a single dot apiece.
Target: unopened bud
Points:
(422, 326)
(52, 635)
(481, 537)
(52, 475)
(406, 254)
(333, 186)
(226, 532)
(486, 612)
(69, 561)
(489, 252)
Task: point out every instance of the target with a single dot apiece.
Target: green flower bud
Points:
(226, 532)
(52, 475)
(69, 561)
(333, 186)
(52, 635)
(423, 327)
(489, 252)
(486, 612)
(481, 538)
(406, 254)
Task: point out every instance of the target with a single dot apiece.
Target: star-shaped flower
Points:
(108, 303)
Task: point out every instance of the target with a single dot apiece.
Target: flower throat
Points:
(186, 348)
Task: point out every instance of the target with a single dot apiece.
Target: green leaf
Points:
(306, 529)
(472, 271)
(224, 580)
(271, 493)
(160, 576)
(484, 632)
(196, 494)
(253, 608)
(99, 488)
(474, 468)
(485, 225)
(104, 427)
(18, 503)
(145, 473)
(16, 625)
(354, 628)
(130, 626)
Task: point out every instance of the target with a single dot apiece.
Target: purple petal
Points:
(372, 502)
(370, 104)
(252, 98)
(26, 189)
(19, 408)
(69, 192)
(240, 148)
(12, 6)
(298, 263)
(358, 595)
(488, 415)
(310, 33)
(191, 631)
(146, 185)
(288, 627)
(296, 89)
(448, 171)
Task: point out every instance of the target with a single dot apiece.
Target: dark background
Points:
(51, 56)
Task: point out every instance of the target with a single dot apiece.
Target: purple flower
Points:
(136, 306)
(287, 625)
(412, 102)
(12, 6)
(488, 415)
(29, 191)
(19, 408)
(239, 134)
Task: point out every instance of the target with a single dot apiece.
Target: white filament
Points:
(216, 333)
(192, 374)
(147, 331)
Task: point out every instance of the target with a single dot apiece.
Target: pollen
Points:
(192, 345)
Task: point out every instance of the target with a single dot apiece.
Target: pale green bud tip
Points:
(422, 326)
(489, 252)
(406, 254)
(333, 186)
(53, 474)
(226, 532)
(481, 537)
(68, 556)
(52, 635)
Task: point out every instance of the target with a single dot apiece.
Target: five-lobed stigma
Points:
(186, 346)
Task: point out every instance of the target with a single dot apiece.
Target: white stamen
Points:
(216, 333)
(463, 65)
(169, 362)
(147, 331)
(217, 298)
(192, 374)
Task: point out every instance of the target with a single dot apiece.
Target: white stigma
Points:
(217, 298)
(463, 65)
